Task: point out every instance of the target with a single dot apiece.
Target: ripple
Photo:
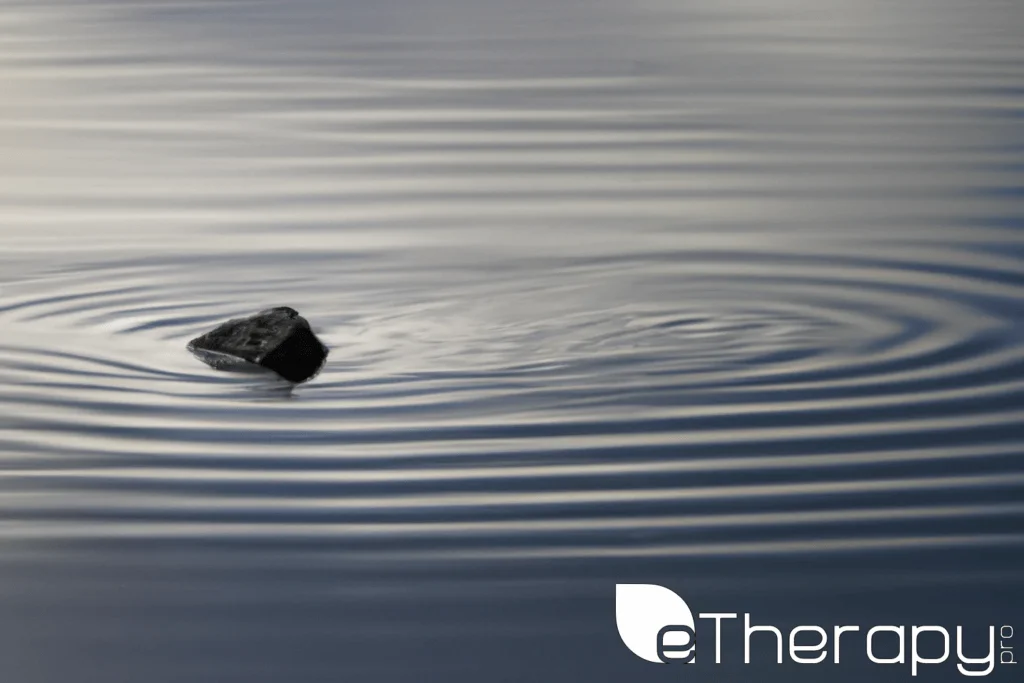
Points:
(693, 403)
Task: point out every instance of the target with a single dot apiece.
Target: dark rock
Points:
(278, 339)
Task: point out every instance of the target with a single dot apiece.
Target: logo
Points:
(655, 623)
(658, 626)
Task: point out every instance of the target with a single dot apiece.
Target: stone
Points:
(278, 339)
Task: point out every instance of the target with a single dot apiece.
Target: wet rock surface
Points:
(278, 339)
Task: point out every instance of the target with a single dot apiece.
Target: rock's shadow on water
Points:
(261, 385)
(270, 388)
(251, 380)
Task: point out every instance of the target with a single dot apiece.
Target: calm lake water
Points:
(722, 296)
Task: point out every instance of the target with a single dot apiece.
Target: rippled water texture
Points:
(725, 296)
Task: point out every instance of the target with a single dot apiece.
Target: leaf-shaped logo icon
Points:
(643, 612)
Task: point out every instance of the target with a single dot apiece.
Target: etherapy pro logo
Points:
(658, 626)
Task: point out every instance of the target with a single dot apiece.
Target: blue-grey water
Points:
(722, 296)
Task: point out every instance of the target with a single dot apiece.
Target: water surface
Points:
(723, 296)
